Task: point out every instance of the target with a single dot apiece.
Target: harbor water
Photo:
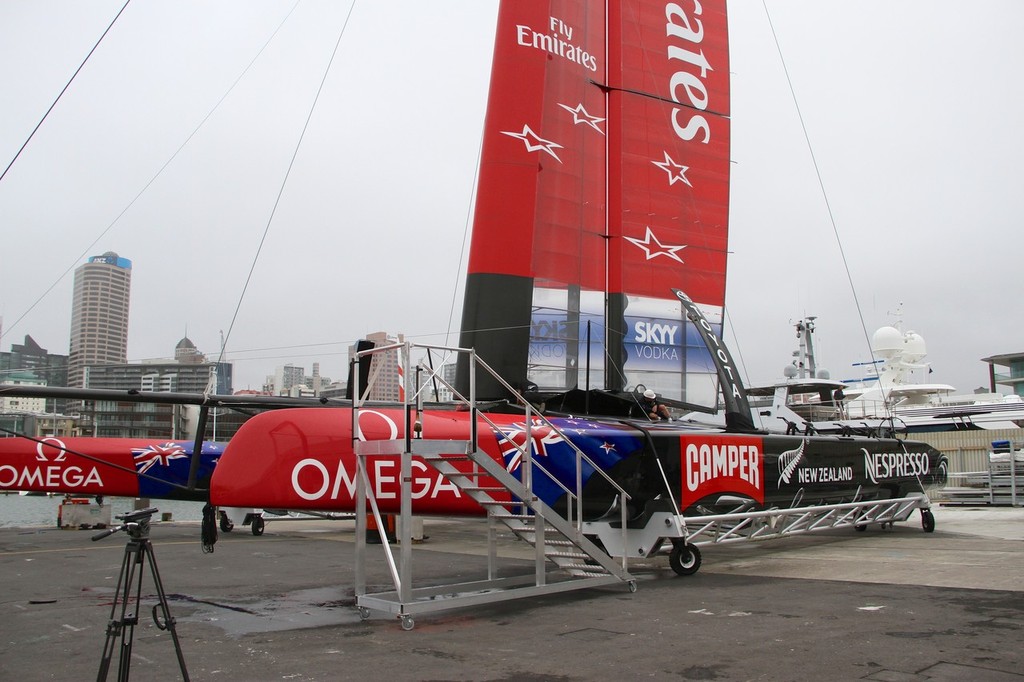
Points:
(25, 511)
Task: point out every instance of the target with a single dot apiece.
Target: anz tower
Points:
(99, 315)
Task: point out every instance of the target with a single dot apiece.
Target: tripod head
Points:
(136, 524)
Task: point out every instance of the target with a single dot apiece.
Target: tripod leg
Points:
(132, 619)
(168, 622)
(114, 625)
(122, 628)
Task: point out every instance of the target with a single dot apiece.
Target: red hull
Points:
(303, 459)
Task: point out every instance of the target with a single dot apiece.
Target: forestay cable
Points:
(284, 182)
(64, 89)
(156, 175)
(821, 183)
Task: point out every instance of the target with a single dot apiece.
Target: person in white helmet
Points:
(652, 407)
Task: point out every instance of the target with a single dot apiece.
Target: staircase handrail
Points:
(470, 402)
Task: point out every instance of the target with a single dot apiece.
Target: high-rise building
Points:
(99, 315)
(284, 379)
(387, 375)
(31, 357)
(124, 419)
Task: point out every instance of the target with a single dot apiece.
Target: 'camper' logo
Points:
(731, 465)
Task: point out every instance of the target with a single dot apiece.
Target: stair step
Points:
(530, 527)
(582, 567)
(587, 574)
(549, 530)
(553, 543)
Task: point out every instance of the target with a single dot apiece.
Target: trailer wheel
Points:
(861, 528)
(927, 521)
(257, 525)
(684, 559)
(225, 523)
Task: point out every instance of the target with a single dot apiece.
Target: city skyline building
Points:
(284, 379)
(29, 356)
(1012, 377)
(387, 375)
(189, 372)
(99, 315)
(20, 403)
(291, 380)
(30, 415)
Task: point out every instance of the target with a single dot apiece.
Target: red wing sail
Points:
(603, 185)
(668, 189)
(538, 253)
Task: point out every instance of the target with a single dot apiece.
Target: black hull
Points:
(716, 473)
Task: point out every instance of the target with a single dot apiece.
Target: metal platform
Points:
(997, 487)
(569, 553)
(1002, 483)
(565, 559)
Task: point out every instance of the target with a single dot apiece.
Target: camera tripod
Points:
(121, 626)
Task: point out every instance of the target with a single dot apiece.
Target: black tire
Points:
(861, 528)
(927, 521)
(257, 525)
(684, 559)
(225, 523)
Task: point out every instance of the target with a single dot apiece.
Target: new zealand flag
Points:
(163, 468)
(555, 459)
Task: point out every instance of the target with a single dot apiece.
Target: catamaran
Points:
(597, 272)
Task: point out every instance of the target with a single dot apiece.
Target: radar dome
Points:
(913, 347)
(824, 374)
(887, 342)
(789, 372)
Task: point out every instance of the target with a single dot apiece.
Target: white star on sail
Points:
(580, 115)
(675, 171)
(652, 247)
(541, 145)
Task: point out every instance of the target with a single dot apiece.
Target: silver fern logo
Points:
(788, 462)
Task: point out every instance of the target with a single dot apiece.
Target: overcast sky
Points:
(913, 112)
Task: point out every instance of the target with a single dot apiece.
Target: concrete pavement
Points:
(895, 604)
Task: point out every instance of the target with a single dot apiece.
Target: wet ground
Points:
(887, 605)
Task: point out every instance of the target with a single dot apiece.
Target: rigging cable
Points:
(465, 234)
(159, 172)
(65, 89)
(466, 229)
(821, 183)
(284, 182)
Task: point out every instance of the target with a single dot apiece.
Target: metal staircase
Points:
(564, 559)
